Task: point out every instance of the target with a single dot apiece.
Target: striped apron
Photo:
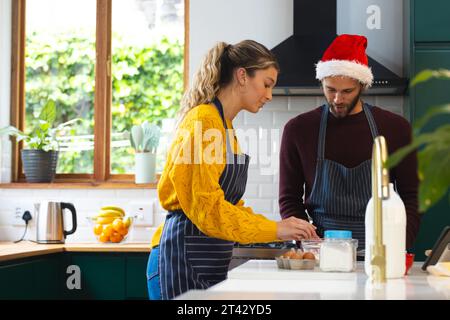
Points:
(340, 195)
(189, 259)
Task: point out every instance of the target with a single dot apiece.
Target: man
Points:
(326, 153)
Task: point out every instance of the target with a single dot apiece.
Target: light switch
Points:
(144, 211)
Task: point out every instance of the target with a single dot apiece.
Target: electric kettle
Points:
(50, 221)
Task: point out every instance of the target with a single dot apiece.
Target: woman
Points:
(203, 198)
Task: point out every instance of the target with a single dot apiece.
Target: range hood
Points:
(314, 30)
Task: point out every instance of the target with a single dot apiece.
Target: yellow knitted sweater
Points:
(193, 186)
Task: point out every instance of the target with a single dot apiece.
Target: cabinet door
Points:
(48, 277)
(16, 281)
(432, 23)
(102, 276)
(432, 92)
(32, 278)
(426, 95)
(136, 277)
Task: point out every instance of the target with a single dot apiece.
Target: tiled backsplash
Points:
(87, 203)
(261, 193)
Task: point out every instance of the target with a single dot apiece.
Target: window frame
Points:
(102, 98)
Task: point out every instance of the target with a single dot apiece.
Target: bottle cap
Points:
(338, 234)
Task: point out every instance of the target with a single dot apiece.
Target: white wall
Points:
(265, 21)
(385, 41)
(271, 21)
(211, 21)
(87, 203)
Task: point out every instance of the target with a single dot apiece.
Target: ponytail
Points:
(216, 71)
(206, 81)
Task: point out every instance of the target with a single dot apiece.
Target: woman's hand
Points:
(295, 229)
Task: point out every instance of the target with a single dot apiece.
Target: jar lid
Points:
(338, 234)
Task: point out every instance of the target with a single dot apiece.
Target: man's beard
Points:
(344, 109)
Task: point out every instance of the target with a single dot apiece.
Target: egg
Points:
(297, 255)
(309, 255)
(289, 254)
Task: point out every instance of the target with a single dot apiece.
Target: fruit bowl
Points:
(111, 226)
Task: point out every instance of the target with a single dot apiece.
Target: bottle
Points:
(394, 235)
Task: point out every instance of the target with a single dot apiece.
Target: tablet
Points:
(440, 251)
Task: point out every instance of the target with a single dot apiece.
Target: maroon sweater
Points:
(348, 142)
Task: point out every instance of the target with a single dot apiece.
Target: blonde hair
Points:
(216, 70)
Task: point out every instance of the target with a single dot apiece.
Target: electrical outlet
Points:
(144, 211)
(18, 213)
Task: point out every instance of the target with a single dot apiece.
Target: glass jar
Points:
(338, 251)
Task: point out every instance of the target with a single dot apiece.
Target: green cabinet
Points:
(432, 92)
(16, 281)
(430, 49)
(48, 278)
(136, 267)
(102, 276)
(431, 21)
(109, 276)
(35, 278)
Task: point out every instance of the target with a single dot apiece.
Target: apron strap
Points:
(373, 126)
(322, 132)
(230, 153)
(219, 108)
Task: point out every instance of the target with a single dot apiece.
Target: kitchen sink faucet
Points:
(380, 191)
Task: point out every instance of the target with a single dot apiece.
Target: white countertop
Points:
(262, 280)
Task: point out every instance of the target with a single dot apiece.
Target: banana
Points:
(105, 220)
(115, 208)
(127, 222)
(110, 213)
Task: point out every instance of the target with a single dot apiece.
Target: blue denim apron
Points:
(340, 195)
(189, 259)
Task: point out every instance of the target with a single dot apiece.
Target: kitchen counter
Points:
(24, 249)
(262, 280)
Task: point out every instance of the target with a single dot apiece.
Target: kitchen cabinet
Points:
(431, 22)
(103, 276)
(136, 284)
(107, 276)
(16, 281)
(430, 49)
(432, 92)
(48, 278)
(37, 278)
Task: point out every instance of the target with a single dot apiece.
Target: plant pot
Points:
(39, 165)
(145, 164)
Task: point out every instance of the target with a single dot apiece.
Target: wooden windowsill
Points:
(78, 185)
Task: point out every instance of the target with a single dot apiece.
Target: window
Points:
(113, 63)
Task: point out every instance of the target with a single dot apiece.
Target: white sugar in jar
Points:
(338, 251)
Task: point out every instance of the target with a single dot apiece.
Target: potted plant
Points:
(434, 149)
(144, 139)
(40, 156)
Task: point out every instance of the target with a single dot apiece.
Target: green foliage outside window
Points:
(147, 84)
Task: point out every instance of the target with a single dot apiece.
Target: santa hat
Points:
(346, 56)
